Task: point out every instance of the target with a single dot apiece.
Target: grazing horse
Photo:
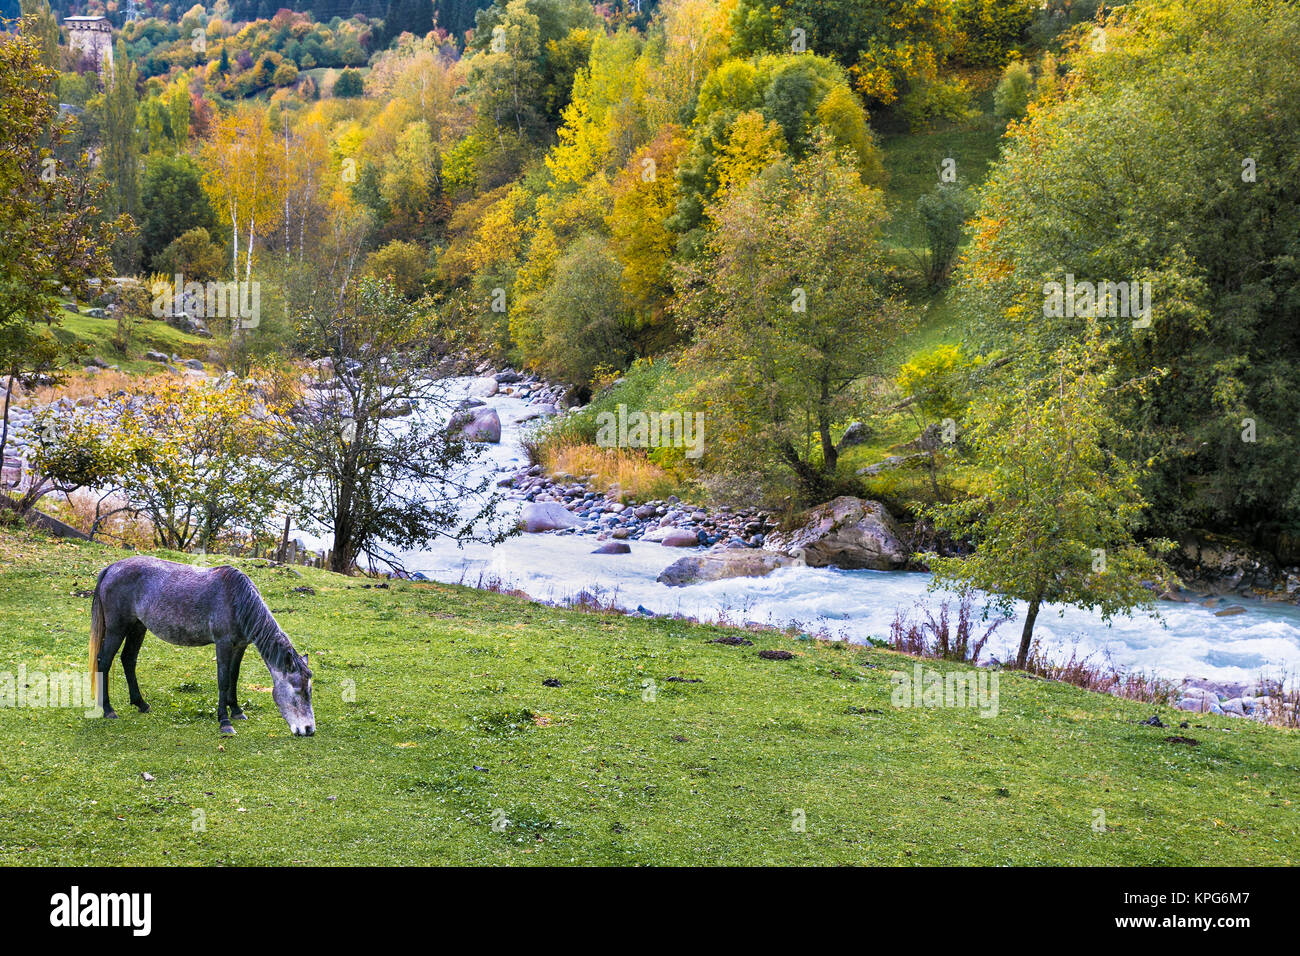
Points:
(191, 607)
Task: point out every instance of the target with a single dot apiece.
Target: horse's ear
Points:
(306, 658)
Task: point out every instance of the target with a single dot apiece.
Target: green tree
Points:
(1011, 98)
(789, 311)
(943, 212)
(1166, 167)
(173, 202)
(40, 24)
(584, 324)
(349, 85)
(1053, 521)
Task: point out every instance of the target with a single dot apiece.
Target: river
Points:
(1182, 640)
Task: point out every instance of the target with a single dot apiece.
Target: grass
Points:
(452, 729)
(147, 335)
(630, 472)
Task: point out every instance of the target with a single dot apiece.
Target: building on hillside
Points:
(92, 38)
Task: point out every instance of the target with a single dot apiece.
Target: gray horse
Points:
(191, 607)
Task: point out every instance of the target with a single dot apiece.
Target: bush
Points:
(194, 255)
(931, 636)
(349, 85)
(403, 263)
(993, 30)
(1011, 98)
(940, 101)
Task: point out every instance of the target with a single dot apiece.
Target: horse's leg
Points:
(113, 637)
(130, 651)
(236, 658)
(223, 684)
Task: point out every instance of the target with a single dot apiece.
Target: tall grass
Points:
(1100, 675)
(624, 473)
(934, 636)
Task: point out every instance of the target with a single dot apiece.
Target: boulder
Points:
(157, 357)
(723, 563)
(1199, 705)
(538, 516)
(857, 433)
(680, 538)
(1224, 564)
(479, 424)
(614, 547)
(847, 532)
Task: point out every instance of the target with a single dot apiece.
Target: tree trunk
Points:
(1026, 636)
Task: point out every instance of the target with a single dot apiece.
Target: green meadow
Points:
(462, 726)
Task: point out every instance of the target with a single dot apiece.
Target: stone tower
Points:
(92, 37)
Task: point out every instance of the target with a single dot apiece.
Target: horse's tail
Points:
(97, 627)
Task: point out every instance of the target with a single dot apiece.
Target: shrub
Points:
(931, 636)
(349, 85)
(1011, 98)
(939, 101)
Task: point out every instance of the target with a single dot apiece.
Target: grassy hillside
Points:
(147, 335)
(452, 722)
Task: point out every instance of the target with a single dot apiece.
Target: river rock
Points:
(481, 424)
(614, 547)
(538, 516)
(1230, 611)
(679, 538)
(847, 532)
(723, 563)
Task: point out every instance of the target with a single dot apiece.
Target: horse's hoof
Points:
(238, 716)
(227, 730)
(142, 707)
(110, 714)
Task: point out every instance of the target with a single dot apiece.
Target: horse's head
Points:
(291, 691)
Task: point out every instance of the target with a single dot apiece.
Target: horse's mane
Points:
(254, 620)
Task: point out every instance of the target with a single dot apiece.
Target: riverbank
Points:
(464, 726)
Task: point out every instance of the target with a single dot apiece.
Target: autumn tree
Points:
(244, 174)
(50, 218)
(198, 459)
(789, 309)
